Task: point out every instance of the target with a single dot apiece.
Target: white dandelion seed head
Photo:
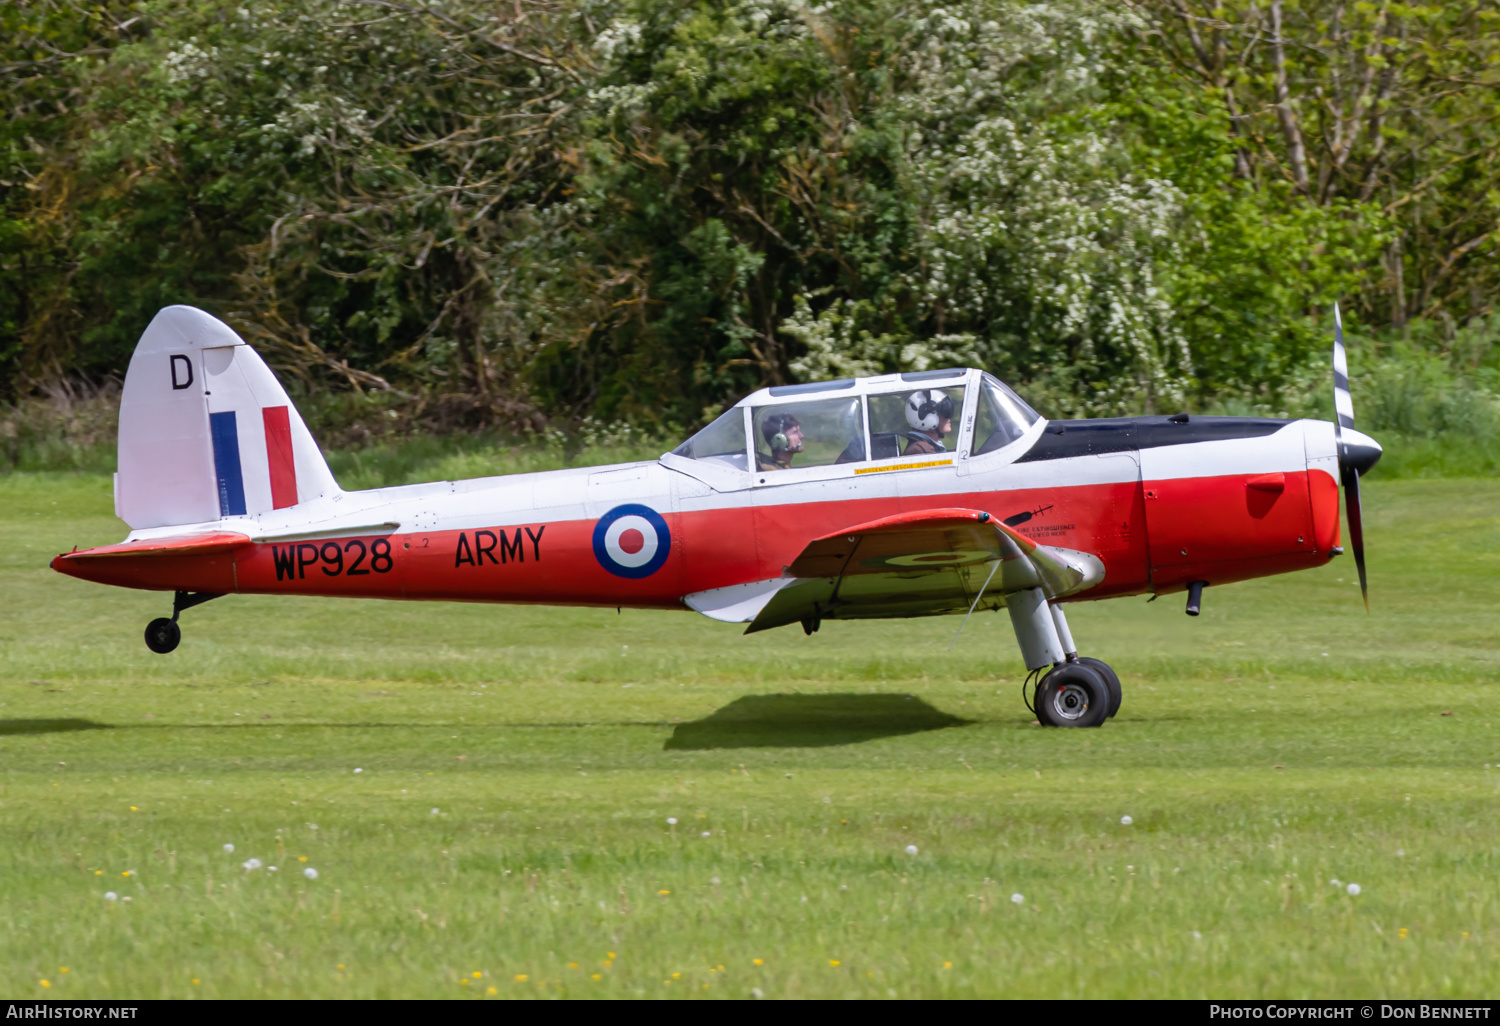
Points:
(358, 770)
(1017, 899)
(706, 833)
(715, 880)
(1335, 882)
(270, 869)
(310, 873)
(671, 821)
(434, 810)
(1126, 821)
(110, 896)
(229, 849)
(1353, 889)
(126, 898)
(911, 849)
(250, 864)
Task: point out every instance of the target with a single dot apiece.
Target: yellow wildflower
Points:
(522, 977)
(46, 983)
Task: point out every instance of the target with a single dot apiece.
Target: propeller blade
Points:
(1356, 530)
(1343, 402)
(1356, 456)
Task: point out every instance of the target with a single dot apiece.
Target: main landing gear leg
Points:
(1075, 692)
(1099, 666)
(163, 635)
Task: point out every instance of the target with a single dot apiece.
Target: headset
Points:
(778, 423)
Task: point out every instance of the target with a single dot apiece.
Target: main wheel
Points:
(162, 635)
(1111, 681)
(1072, 695)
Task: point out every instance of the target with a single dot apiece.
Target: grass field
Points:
(485, 792)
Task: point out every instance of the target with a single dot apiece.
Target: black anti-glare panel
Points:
(1067, 438)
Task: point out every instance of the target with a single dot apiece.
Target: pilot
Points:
(783, 433)
(930, 414)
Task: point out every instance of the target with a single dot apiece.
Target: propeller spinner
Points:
(1358, 452)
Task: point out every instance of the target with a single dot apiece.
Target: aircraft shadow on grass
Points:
(809, 721)
(48, 726)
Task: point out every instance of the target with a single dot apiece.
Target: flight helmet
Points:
(925, 409)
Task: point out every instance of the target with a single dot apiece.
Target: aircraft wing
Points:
(913, 564)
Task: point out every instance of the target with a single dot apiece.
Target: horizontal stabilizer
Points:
(181, 545)
(199, 562)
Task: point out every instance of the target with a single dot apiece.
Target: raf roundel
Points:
(632, 541)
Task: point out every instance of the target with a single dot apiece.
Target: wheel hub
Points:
(1070, 702)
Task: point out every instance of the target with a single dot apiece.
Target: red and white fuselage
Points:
(1159, 502)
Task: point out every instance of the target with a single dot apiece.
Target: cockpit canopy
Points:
(864, 420)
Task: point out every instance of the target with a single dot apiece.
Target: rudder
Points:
(206, 430)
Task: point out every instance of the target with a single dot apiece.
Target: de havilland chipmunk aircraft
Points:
(899, 495)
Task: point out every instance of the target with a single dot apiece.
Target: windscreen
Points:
(1003, 416)
(723, 440)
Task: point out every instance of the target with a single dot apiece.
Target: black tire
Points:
(162, 635)
(1111, 681)
(1072, 695)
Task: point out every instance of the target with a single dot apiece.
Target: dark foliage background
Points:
(457, 215)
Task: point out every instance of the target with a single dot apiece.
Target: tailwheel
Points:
(1111, 681)
(1072, 695)
(162, 635)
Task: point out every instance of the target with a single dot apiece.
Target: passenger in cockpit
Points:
(783, 433)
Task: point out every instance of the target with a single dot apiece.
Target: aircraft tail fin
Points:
(206, 430)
